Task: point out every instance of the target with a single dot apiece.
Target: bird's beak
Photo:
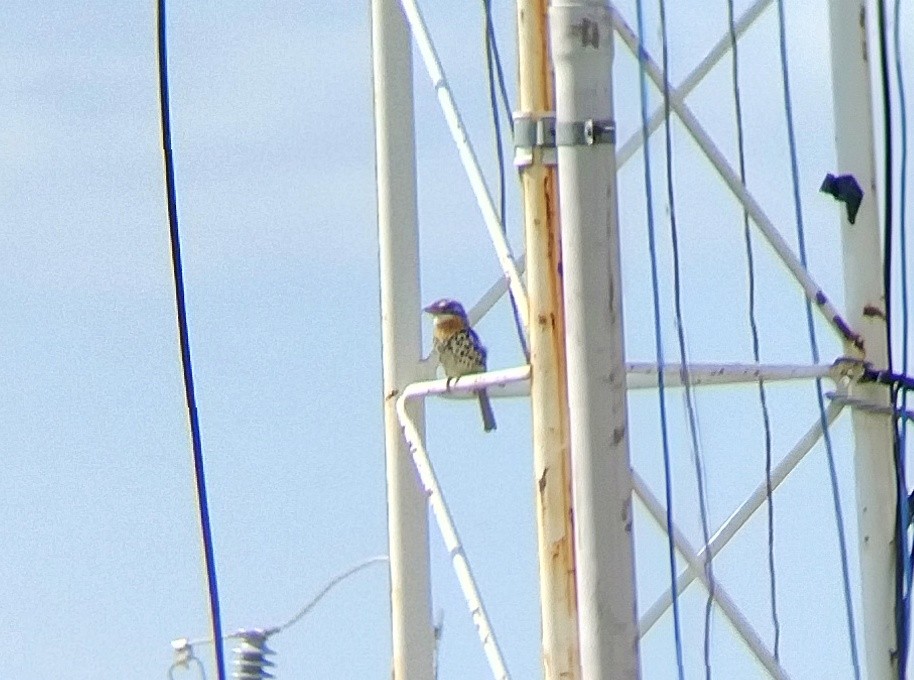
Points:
(431, 309)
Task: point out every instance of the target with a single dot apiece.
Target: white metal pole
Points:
(407, 517)
(439, 506)
(582, 51)
(865, 303)
(548, 378)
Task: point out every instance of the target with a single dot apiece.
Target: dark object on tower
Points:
(846, 189)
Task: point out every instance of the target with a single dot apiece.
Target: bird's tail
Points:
(488, 416)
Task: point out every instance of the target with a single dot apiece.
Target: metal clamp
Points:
(585, 133)
(543, 132)
(534, 131)
(869, 406)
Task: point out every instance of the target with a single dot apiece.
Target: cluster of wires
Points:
(905, 581)
(658, 341)
(688, 392)
(899, 385)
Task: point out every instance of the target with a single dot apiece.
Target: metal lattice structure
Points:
(860, 331)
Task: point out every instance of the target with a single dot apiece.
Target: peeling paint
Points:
(618, 435)
(873, 311)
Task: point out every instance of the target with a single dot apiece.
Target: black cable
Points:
(894, 380)
(202, 503)
(683, 358)
(904, 514)
(753, 327)
(902, 198)
(502, 83)
(814, 345)
(493, 65)
(901, 613)
(889, 171)
(493, 101)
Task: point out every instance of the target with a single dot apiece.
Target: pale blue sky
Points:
(273, 139)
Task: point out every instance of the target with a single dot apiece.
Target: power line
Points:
(184, 647)
(901, 511)
(906, 550)
(753, 328)
(658, 342)
(902, 190)
(492, 43)
(491, 48)
(202, 504)
(332, 583)
(889, 171)
(688, 393)
(814, 346)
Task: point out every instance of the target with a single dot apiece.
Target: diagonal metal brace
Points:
(813, 291)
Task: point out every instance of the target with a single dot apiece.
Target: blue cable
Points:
(658, 341)
(754, 332)
(493, 43)
(902, 242)
(688, 392)
(829, 453)
(493, 65)
(903, 119)
(202, 503)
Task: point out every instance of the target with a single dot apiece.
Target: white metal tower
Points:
(577, 378)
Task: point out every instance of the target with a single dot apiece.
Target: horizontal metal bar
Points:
(874, 407)
(643, 375)
(491, 380)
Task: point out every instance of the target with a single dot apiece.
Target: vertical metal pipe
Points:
(407, 516)
(865, 302)
(549, 395)
(548, 389)
(582, 50)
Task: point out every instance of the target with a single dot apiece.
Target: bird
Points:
(460, 350)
